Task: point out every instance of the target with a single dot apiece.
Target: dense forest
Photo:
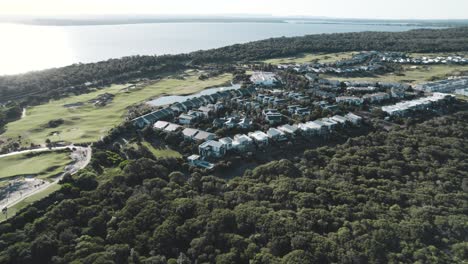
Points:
(36, 87)
(387, 197)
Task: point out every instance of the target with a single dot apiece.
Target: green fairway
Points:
(88, 123)
(42, 165)
(307, 57)
(31, 199)
(410, 75)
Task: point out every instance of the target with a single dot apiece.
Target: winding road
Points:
(80, 155)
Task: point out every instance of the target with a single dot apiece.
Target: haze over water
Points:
(27, 48)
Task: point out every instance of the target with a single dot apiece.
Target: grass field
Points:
(42, 165)
(438, 54)
(161, 152)
(412, 76)
(307, 57)
(88, 123)
(33, 198)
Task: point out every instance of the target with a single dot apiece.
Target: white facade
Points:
(276, 134)
(349, 100)
(212, 149)
(227, 142)
(402, 107)
(259, 137)
(263, 78)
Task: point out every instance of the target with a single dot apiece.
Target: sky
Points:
(381, 9)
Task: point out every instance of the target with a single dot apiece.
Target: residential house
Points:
(231, 122)
(185, 119)
(289, 129)
(276, 134)
(189, 133)
(160, 125)
(463, 91)
(242, 143)
(312, 128)
(376, 97)
(172, 128)
(354, 119)
(397, 92)
(312, 77)
(264, 78)
(292, 108)
(272, 116)
(329, 123)
(245, 123)
(402, 108)
(204, 136)
(259, 137)
(212, 149)
(218, 122)
(206, 110)
(349, 100)
(339, 119)
(279, 101)
(302, 111)
(227, 142)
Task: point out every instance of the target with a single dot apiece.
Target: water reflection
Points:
(24, 48)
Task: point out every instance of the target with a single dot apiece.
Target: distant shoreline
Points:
(134, 21)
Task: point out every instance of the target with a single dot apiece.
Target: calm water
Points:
(25, 48)
(170, 99)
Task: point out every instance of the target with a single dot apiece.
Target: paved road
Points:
(81, 157)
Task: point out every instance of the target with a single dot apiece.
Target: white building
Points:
(349, 100)
(354, 119)
(403, 107)
(212, 149)
(376, 97)
(264, 78)
(288, 129)
(172, 128)
(329, 123)
(276, 134)
(339, 119)
(227, 142)
(185, 119)
(204, 136)
(160, 125)
(462, 91)
(242, 143)
(259, 137)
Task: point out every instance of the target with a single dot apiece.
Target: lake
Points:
(27, 47)
(170, 99)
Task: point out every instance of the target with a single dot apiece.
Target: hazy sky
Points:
(417, 9)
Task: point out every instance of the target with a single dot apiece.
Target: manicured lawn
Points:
(307, 57)
(162, 152)
(88, 123)
(41, 165)
(439, 54)
(414, 76)
(33, 198)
